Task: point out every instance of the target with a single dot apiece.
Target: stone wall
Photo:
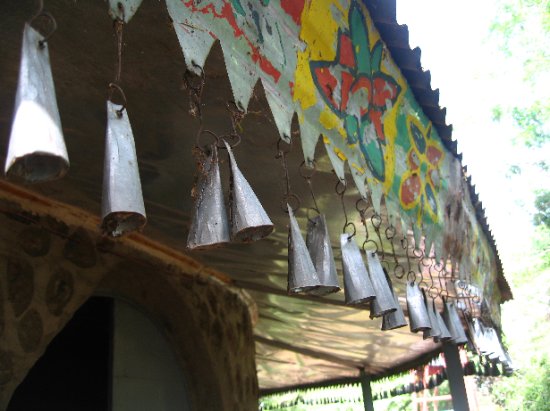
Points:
(50, 267)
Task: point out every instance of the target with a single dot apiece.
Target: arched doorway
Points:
(110, 356)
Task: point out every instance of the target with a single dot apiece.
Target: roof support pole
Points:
(456, 377)
(367, 392)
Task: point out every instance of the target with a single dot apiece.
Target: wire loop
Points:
(114, 86)
(42, 13)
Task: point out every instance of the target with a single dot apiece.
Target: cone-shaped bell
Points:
(122, 207)
(384, 301)
(209, 227)
(302, 276)
(357, 285)
(249, 221)
(450, 316)
(394, 319)
(418, 315)
(36, 150)
(320, 250)
(445, 335)
(434, 332)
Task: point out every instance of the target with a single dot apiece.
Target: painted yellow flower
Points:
(421, 182)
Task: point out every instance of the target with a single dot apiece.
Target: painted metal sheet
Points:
(325, 61)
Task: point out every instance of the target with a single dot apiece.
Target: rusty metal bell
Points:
(393, 319)
(122, 207)
(452, 321)
(249, 221)
(302, 276)
(320, 250)
(384, 302)
(36, 151)
(209, 226)
(358, 287)
(418, 315)
(434, 331)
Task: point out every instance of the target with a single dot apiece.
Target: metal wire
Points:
(42, 13)
(340, 189)
(114, 86)
(362, 209)
(195, 85)
(288, 196)
(411, 275)
(398, 270)
(307, 176)
(118, 26)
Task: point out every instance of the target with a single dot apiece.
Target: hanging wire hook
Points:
(362, 205)
(288, 196)
(432, 290)
(411, 275)
(118, 26)
(237, 112)
(376, 221)
(217, 139)
(444, 293)
(195, 85)
(233, 139)
(419, 254)
(307, 174)
(340, 190)
(42, 13)
(114, 86)
(398, 270)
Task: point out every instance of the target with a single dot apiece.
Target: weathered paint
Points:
(325, 60)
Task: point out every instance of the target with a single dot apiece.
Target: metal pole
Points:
(367, 392)
(456, 377)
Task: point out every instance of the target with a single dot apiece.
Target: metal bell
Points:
(210, 226)
(122, 207)
(434, 332)
(393, 319)
(445, 335)
(320, 250)
(249, 221)
(36, 150)
(418, 315)
(302, 277)
(450, 316)
(384, 301)
(357, 284)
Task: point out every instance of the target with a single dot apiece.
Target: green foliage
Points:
(497, 113)
(532, 383)
(537, 393)
(542, 205)
(533, 122)
(521, 27)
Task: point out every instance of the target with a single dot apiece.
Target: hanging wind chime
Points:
(318, 242)
(210, 226)
(122, 208)
(249, 221)
(384, 303)
(396, 319)
(358, 288)
(302, 275)
(36, 150)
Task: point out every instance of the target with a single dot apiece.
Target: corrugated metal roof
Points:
(396, 37)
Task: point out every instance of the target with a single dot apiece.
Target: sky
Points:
(474, 77)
